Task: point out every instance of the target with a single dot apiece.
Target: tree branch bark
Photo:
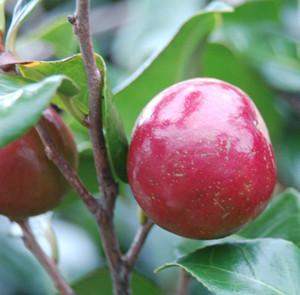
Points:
(107, 185)
(49, 265)
(138, 243)
(120, 266)
(81, 24)
(67, 171)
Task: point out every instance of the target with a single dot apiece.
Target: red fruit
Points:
(200, 163)
(30, 184)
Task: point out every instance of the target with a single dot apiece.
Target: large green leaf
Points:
(179, 60)
(100, 282)
(280, 220)
(22, 102)
(256, 13)
(220, 62)
(73, 67)
(262, 267)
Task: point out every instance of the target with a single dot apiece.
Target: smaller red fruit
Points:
(200, 163)
(30, 184)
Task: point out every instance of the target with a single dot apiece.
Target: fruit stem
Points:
(49, 265)
(142, 217)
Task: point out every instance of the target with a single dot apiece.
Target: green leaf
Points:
(179, 60)
(22, 103)
(188, 246)
(115, 136)
(280, 220)
(73, 67)
(22, 9)
(256, 13)
(100, 281)
(222, 63)
(262, 266)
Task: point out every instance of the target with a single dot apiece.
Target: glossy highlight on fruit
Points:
(200, 162)
(30, 184)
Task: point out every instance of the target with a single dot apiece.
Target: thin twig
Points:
(49, 265)
(184, 282)
(138, 243)
(67, 171)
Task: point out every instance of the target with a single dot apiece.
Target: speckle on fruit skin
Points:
(202, 149)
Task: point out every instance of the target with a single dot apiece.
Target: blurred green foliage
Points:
(158, 43)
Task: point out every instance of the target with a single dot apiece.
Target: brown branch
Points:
(119, 272)
(103, 218)
(120, 267)
(138, 243)
(67, 171)
(81, 24)
(49, 265)
(108, 187)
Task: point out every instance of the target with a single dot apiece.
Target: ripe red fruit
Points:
(200, 163)
(30, 184)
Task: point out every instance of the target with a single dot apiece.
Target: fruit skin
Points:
(30, 184)
(200, 162)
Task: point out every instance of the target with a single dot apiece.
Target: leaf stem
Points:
(49, 265)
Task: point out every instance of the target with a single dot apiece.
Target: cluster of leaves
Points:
(250, 46)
